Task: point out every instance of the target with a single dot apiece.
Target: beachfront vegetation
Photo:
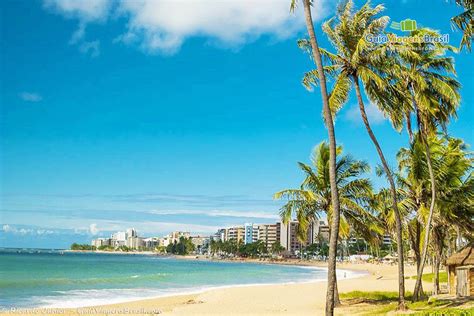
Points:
(463, 22)
(329, 123)
(362, 65)
(429, 277)
(234, 248)
(82, 247)
(313, 198)
(427, 91)
(383, 303)
(182, 247)
(428, 204)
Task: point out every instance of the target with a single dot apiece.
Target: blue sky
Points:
(148, 115)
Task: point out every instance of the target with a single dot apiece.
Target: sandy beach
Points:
(283, 299)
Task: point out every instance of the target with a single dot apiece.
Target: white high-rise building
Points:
(131, 232)
(101, 242)
(119, 239)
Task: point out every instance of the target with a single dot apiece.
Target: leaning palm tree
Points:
(313, 198)
(328, 119)
(428, 90)
(464, 22)
(356, 60)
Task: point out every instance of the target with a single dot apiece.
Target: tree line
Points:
(236, 247)
(429, 196)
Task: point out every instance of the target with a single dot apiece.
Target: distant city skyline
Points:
(107, 123)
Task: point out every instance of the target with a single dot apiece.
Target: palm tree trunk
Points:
(417, 293)
(332, 160)
(439, 236)
(393, 190)
(436, 264)
(415, 237)
(409, 129)
(417, 252)
(337, 301)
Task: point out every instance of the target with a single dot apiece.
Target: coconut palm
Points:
(316, 55)
(452, 167)
(464, 23)
(413, 194)
(358, 60)
(313, 198)
(423, 76)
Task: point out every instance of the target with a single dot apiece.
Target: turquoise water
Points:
(50, 279)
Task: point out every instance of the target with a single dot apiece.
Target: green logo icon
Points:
(405, 25)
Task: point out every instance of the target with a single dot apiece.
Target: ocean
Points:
(53, 278)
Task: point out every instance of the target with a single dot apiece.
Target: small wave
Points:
(32, 283)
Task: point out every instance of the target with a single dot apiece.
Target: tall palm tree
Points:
(413, 194)
(360, 60)
(313, 198)
(453, 170)
(424, 75)
(316, 54)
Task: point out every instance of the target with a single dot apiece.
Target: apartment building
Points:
(251, 233)
(289, 238)
(174, 236)
(237, 233)
(318, 231)
(151, 242)
(135, 242)
(99, 242)
(201, 243)
(269, 234)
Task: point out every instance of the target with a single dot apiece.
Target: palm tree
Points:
(423, 76)
(453, 169)
(316, 54)
(360, 60)
(313, 198)
(463, 22)
(413, 194)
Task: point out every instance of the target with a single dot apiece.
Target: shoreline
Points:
(301, 297)
(296, 298)
(169, 301)
(192, 291)
(376, 277)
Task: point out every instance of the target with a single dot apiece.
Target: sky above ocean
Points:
(169, 115)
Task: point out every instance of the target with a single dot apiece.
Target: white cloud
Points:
(25, 231)
(373, 114)
(7, 228)
(44, 232)
(162, 26)
(84, 10)
(93, 229)
(217, 213)
(30, 97)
